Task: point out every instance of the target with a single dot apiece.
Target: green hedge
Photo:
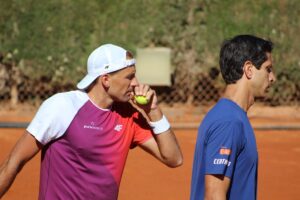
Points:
(53, 38)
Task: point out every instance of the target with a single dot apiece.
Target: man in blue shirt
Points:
(226, 158)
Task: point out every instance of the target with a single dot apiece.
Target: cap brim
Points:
(86, 81)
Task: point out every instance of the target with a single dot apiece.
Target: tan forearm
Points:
(8, 174)
(216, 187)
(169, 149)
(22, 152)
(167, 143)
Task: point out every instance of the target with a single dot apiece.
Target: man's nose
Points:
(134, 82)
(272, 77)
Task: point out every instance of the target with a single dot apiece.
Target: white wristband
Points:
(160, 126)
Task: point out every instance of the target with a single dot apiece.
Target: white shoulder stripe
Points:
(55, 115)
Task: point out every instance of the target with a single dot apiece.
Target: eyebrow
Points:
(131, 73)
(270, 66)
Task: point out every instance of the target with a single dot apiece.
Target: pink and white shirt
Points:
(85, 147)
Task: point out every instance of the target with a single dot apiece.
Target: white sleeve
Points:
(53, 118)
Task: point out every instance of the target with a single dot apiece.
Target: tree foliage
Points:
(53, 38)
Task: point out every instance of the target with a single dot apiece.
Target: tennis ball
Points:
(141, 100)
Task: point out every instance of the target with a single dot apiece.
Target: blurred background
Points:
(44, 45)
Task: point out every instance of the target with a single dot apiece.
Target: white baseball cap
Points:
(105, 59)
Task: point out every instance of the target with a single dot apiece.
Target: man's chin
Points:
(123, 100)
(262, 95)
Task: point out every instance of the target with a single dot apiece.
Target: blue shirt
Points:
(226, 146)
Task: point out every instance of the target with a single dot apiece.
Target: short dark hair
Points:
(236, 51)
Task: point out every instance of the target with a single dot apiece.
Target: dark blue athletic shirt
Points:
(226, 145)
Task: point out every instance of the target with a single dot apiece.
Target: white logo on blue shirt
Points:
(221, 162)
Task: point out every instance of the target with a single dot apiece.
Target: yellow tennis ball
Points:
(141, 100)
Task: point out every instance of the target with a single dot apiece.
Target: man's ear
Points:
(248, 69)
(105, 80)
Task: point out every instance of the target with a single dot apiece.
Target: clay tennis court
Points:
(146, 179)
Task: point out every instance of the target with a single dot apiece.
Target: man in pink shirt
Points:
(85, 135)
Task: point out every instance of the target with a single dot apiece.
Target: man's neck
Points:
(240, 94)
(100, 98)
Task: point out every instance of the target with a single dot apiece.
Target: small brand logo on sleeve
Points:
(225, 151)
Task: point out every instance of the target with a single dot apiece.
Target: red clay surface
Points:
(145, 178)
